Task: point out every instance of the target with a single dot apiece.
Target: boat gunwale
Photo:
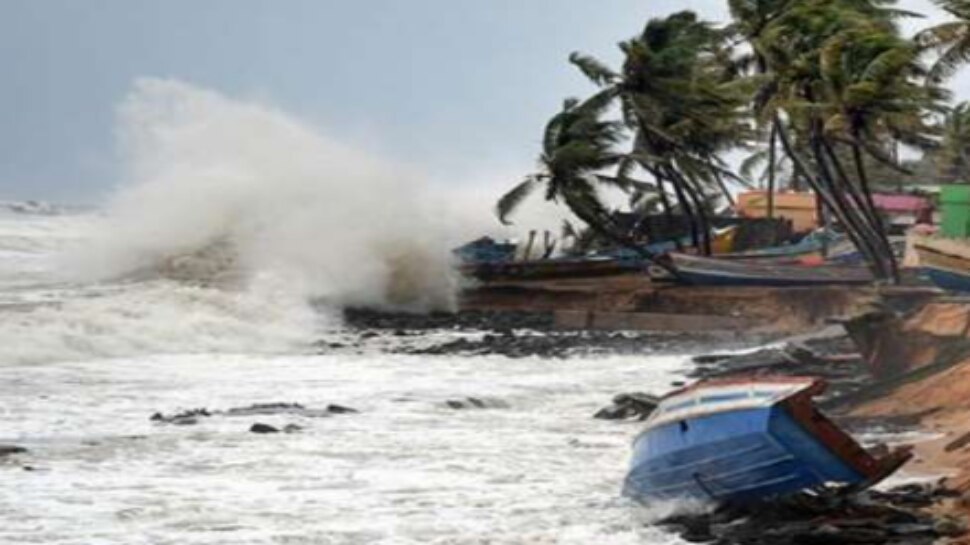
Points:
(814, 385)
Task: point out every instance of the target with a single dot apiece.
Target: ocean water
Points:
(191, 286)
(85, 363)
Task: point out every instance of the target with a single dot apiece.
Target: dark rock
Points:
(263, 428)
(475, 403)
(9, 450)
(518, 335)
(264, 409)
(631, 405)
(362, 318)
(184, 418)
(340, 409)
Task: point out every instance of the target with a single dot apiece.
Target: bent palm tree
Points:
(954, 153)
(951, 39)
(578, 147)
(683, 109)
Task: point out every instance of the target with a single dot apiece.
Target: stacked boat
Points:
(946, 262)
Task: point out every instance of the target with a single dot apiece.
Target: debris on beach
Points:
(898, 516)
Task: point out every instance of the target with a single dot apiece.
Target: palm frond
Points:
(511, 200)
(596, 71)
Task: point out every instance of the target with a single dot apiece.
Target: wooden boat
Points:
(945, 262)
(709, 271)
(745, 440)
(485, 250)
(810, 245)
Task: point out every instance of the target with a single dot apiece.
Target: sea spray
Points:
(232, 216)
(260, 193)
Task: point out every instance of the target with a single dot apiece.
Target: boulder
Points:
(263, 428)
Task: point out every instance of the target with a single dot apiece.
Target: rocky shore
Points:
(516, 334)
(891, 369)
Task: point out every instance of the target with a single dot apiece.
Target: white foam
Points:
(332, 221)
(159, 317)
(406, 469)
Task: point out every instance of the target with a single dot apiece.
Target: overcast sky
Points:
(456, 88)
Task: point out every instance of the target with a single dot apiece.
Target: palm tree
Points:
(750, 20)
(839, 75)
(953, 157)
(578, 146)
(951, 39)
(875, 100)
(684, 110)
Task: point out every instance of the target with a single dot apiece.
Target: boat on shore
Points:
(710, 271)
(946, 262)
(812, 244)
(747, 440)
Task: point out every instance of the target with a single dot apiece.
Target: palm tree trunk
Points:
(724, 189)
(824, 194)
(668, 209)
(772, 142)
(877, 223)
(868, 218)
(855, 223)
(601, 226)
(685, 206)
(699, 202)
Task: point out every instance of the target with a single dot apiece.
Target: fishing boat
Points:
(812, 244)
(709, 271)
(745, 440)
(946, 262)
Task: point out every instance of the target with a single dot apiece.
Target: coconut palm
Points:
(950, 39)
(953, 157)
(876, 100)
(684, 110)
(578, 146)
(838, 74)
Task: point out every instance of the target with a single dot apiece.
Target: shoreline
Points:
(897, 363)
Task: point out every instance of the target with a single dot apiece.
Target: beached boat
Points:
(709, 271)
(946, 262)
(743, 440)
(812, 244)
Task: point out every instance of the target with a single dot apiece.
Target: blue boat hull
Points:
(734, 456)
(698, 278)
(948, 280)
